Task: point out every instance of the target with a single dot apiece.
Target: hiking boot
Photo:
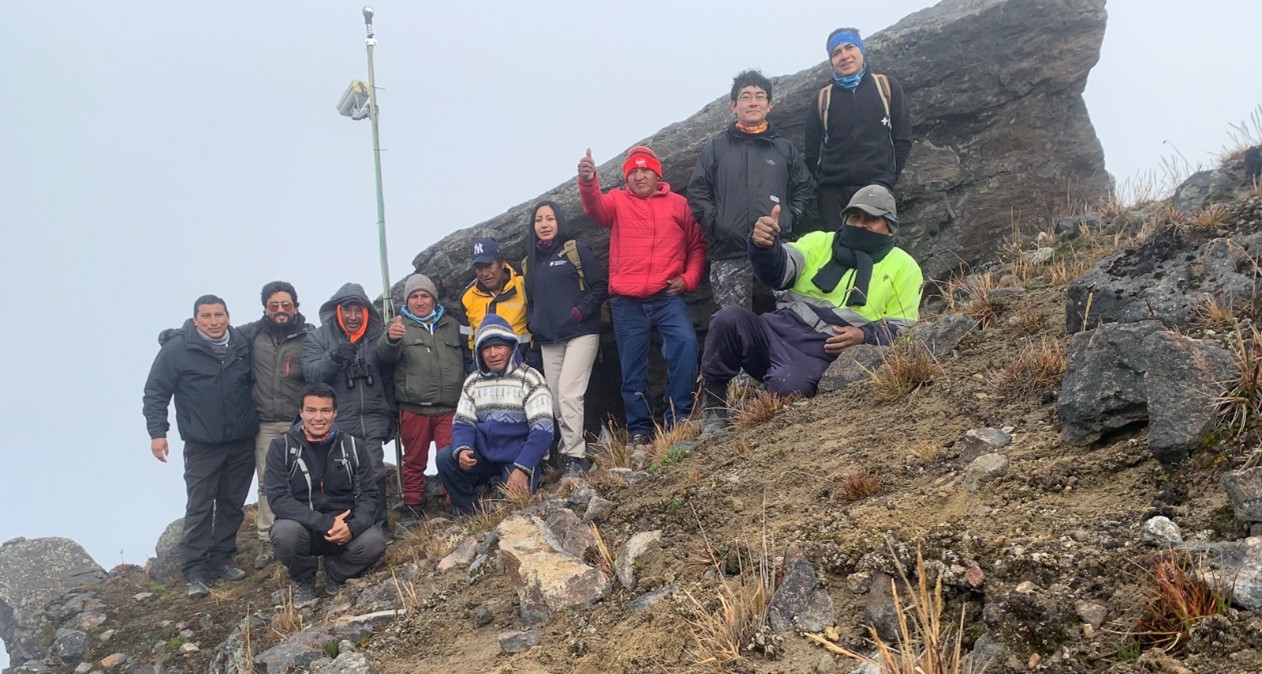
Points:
(714, 417)
(640, 440)
(332, 587)
(575, 467)
(229, 572)
(305, 593)
(714, 421)
(197, 588)
(263, 560)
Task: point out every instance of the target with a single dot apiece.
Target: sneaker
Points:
(197, 588)
(332, 587)
(305, 593)
(263, 560)
(575, 467)
(229, 572)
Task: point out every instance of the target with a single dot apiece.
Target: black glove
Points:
(344, 352)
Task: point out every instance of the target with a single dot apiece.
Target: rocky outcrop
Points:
(33, 573)
(547, 577)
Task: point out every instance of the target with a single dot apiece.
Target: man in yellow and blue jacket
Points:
(836, 290)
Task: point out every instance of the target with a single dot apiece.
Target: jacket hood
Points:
(494, 325)
(348, 292)
(563, 227)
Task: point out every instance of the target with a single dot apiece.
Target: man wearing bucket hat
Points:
(859, 130)
(656, 254)
(839, 289)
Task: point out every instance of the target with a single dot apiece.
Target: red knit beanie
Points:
(641, 157)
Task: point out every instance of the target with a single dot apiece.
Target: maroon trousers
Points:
(417, 431)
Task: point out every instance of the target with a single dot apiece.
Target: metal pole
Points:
(386, 305)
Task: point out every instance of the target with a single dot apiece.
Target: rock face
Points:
(546, 577)
(995, 122)
(33, 572)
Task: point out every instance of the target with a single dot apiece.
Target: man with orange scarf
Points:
(342, 354)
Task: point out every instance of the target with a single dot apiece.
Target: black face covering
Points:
(858, 249)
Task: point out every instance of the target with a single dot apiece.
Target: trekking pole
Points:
(387, 310)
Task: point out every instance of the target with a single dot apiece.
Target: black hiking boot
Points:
(714, 416)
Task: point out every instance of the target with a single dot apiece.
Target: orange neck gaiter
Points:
(358, 334)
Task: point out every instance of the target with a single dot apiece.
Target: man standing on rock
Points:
(497, 289)
(840, 289)
(859, 130)
(503, 423)
(206, 367)
(656, 254)
(342, 353)
(323, 490)
(276, 343)
(740, 175)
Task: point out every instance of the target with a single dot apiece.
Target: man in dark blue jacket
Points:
(323, 491)
(741, 174)
(206, 367)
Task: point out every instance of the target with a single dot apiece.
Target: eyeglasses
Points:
(760, 96)
(277, 306)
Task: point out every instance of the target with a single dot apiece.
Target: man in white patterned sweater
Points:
(503, 424)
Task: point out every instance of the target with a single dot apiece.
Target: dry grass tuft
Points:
(1177, 598)
(1241, 402)
(612, 451)
(665, 438)
(1034, 367)
(1214, 215)
(1027, 323)
(603, 558)
(287, 620)
(1215, 310)
(926, 450)
(741, 390)
(409, 598)
(1255, 188)
(487, 515)
(904, 370)
(925, 645)
(860, 486)
(971, 295)
(760, 409)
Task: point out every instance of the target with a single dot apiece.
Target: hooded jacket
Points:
(312, 483)
(276, 359)
(736, 175)
(212, 396)
(552, 286)
(651, 240)
(864, 147)
(505, 417)
(365, 403)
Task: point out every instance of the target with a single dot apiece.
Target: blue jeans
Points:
(633, 320)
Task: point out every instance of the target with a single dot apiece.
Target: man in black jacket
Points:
(323, 491)
(342, 353)
(207, 368)
(863, 136)
(740, 175)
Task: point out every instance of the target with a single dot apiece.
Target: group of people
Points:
(312, 406)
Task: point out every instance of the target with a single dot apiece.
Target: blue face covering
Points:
(432, 317)
(842, 37)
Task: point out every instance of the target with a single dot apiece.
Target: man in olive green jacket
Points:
(428, 353)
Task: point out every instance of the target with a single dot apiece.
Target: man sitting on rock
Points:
(839, 289)
(322, 487)
(503, 423)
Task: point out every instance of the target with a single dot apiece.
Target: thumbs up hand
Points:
(767, 228)
(395, 333)
(587, 167)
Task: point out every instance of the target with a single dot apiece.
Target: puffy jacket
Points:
(212, 396)
(311, 483)
(863, 146)
(732, 184)
(429, 365)
(509, 302)
(651, 241)
(552, 287)
(365, 404)
(276, 358)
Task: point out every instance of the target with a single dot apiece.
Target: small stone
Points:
(71, 646)
(638, 545)
(516, 642)
(598, 509)
(1245, 489)
(979, 441)
(648, 600)
(106, 636)
(799, 601)
(113, 660)
(627, 475)
(1027, 587)
(985, 468)
(581, 496)
(90, 620)
(142, 596)
(83, 668)
(460, 557)
(189, 647)
(859, 582)
(1039, 255)
(975, 576)
(482, 616)
(826, 665)
(1091, 613)
(186, 634)
(831, 634)
(1160, 532)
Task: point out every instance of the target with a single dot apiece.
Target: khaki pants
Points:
(268, 430)
(568, 366)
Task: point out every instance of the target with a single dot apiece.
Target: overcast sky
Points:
(154, 151)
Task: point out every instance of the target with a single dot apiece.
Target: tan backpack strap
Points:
(883, 88)
(570, 251)
(825, 98)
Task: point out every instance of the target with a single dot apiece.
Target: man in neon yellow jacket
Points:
(836, 290)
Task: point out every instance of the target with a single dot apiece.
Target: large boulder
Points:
(547, 577)
(1103, 388)
(165, 565)
(33, 573)
(996, 125)
(1182, 382)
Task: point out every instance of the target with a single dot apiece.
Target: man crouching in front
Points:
(323, 492)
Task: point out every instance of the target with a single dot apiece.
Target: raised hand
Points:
(587, 167)
(397, 329)
(767, 228)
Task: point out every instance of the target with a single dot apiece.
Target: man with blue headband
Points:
(859, 131)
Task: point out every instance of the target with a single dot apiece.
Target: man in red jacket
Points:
(656, 253)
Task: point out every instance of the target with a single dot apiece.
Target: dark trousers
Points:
(462, 486)
(633, 321)
(216, 480)
(787, 358)
(300, 548)
(418, 431)
(832, 200)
